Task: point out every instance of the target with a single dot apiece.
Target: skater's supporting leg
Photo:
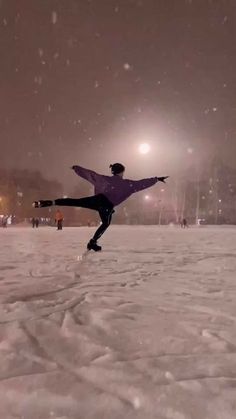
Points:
(106, 216)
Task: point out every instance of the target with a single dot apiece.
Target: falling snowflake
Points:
(224, 20)
(96, 84)
(5, 21)
(56, 55)
(214, 109)
(38, 80)
(71, 42)
(54, 17)
(190, 150)
(116, 9)
(49, 108)
(40, 52)
(68, 62)
(17, 17)
(127, 67)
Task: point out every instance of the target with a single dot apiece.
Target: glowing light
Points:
(144, 148)
(147, 197)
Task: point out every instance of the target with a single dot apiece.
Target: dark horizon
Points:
(85, 82)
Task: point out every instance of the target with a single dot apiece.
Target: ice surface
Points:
(145, 329)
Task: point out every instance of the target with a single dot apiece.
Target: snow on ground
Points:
(144, 329)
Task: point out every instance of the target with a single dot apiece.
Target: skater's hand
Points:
(73, 167)
(162, 179)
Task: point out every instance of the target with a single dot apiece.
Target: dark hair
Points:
(117, 168)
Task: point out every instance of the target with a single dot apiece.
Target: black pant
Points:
(98, 203)
(59, 224)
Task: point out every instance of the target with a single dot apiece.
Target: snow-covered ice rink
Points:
(145, 329)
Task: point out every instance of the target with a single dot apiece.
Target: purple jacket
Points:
(114, 188)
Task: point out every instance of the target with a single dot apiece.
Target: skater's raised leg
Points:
(91, 202)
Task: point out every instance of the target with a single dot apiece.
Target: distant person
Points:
(4, 221)
(59, 219)
(110, 191)
(33, 222)
(36, 222)
(184, 223)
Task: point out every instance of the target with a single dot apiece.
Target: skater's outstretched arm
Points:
(87, 174)
(139, 185)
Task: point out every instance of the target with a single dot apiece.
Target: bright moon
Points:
(144, 148)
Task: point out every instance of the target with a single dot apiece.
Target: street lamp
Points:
(144, 148)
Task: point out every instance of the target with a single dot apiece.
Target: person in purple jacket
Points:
(110, 191)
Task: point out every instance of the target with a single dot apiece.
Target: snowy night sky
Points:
(85, 81)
